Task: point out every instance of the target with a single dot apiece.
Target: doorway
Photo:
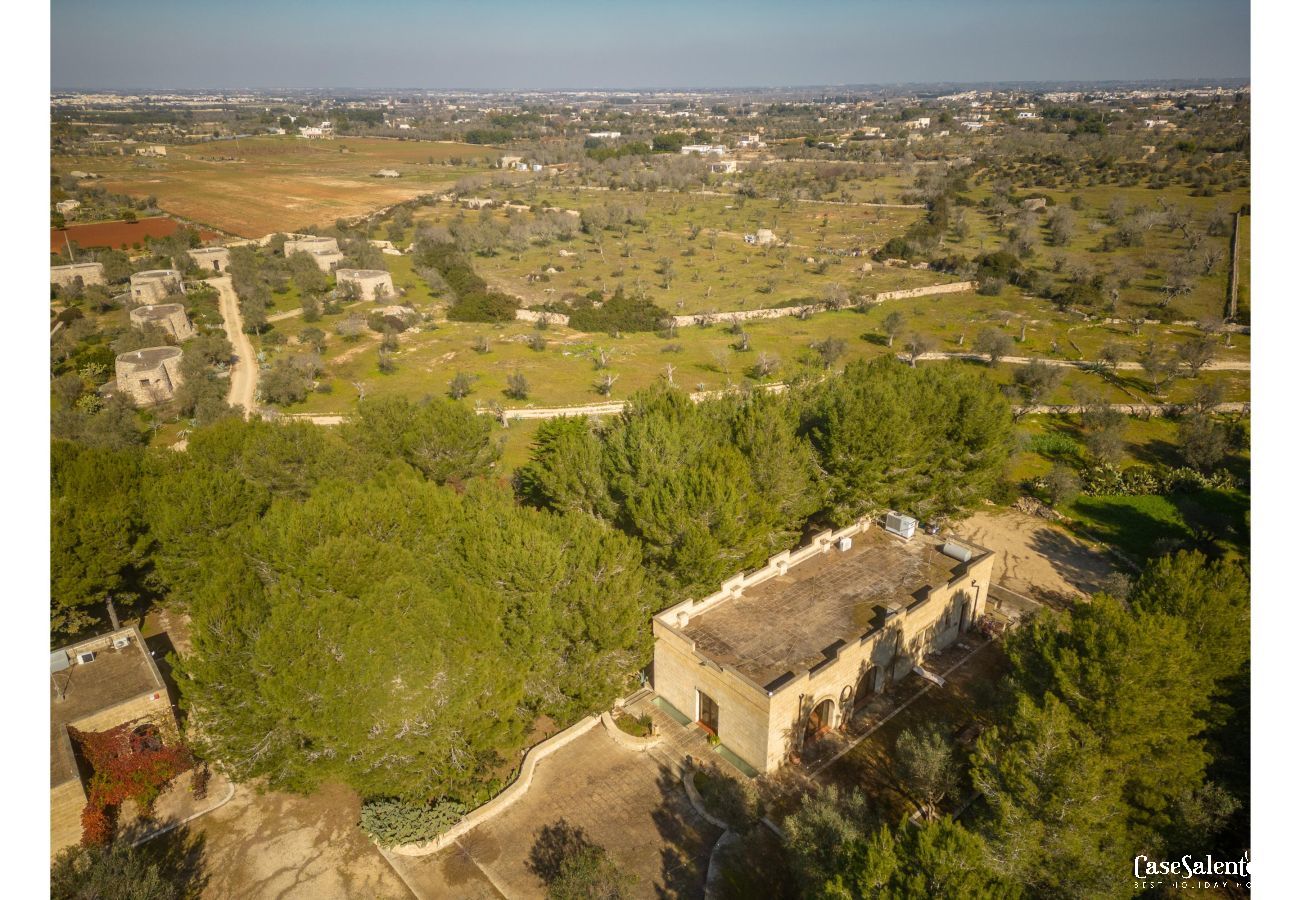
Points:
(819, 720)
(708, 716)
(866, 688)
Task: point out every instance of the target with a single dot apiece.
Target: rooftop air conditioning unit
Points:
(87, 657)
(903, 526)
(845, 543)
(121, 642)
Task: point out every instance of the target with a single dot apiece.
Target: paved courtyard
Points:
(631, 803)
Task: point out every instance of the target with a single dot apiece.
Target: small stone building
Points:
(373, 284)
(325, 250)
(156, 285)
(97, 685)
(89, 273)
(1034, 203)
(170, 317)
(784, 653)
(149, 376)
(216, 259)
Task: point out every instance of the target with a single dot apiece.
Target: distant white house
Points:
(67, 206)
(972, 126)
(323, 130)
(388, 173)
(1157, 123)
(151, 150)
(704, 149)
(751, 142)
(604, 135)
(1026, 114)
(723, 166)
(921, 122)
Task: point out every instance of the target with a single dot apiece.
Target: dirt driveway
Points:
(594, 789)
(287, 847)
(1036, 558)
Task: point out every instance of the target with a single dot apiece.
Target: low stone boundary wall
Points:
(536, 315)
(506, 798)
(808, 309)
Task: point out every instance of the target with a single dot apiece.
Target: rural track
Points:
(1218, 365)
(243, 374)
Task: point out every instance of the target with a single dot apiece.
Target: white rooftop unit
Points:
(903, 526)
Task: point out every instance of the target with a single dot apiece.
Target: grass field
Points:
(283, 183)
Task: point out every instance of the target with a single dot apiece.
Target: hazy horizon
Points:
(515, 46)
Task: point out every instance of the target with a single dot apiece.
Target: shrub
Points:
(619, 313)
(390, 821)
(637, 726)
(1110, 480)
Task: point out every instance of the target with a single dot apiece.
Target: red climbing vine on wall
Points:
(130, 762)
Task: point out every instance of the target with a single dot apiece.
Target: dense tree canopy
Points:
(401, 637)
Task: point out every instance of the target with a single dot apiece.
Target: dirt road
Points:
(243, 375)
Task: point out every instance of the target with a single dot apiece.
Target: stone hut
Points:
(89, 273)
(325, 250)
(170, 317)
(149, 376)
(156, 285)
(1034, 204)
(373, 284)
(216, 259)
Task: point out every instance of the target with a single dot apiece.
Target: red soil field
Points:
(118, 235)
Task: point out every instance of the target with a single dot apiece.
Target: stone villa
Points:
(372, 284)
(156, 285)
(324, 250)
(784, 653)
(170, 317)
(148, 376)
(97, 685)
(89, 273)
(215, 259)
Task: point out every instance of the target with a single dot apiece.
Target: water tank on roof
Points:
(58, 661)
(903, 526)
(957, 551)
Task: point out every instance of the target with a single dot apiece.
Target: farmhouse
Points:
(170, 317)
(216, 259)
(89, 273)
(784, 653)
(723, 166)
(604, 135)
(148, 376)
(372, 284)
(155, 285)
(325, 250)
(921, 122)
(67, 206)
(762, 237)
(97, 685)
(1033, 203)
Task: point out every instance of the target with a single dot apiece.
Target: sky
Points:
(557, 44)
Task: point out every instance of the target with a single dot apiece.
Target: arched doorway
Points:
(866, 688)
(820, 719)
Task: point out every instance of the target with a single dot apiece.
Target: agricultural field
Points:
(255, 186)
(118, 235)
(687, 252)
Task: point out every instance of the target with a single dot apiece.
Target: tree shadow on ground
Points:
(555, 843)
(687, 840)
(180, 857)
(1065, 553)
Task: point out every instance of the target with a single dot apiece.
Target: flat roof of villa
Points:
(115, 676)
(788, 623)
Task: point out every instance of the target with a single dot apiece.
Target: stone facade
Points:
(373, 284)
(156, 285)
(215, 259)
(89, 273)
(870, 606)
(122, 684)
(149, 376)
(170, 317)
(325, 250)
